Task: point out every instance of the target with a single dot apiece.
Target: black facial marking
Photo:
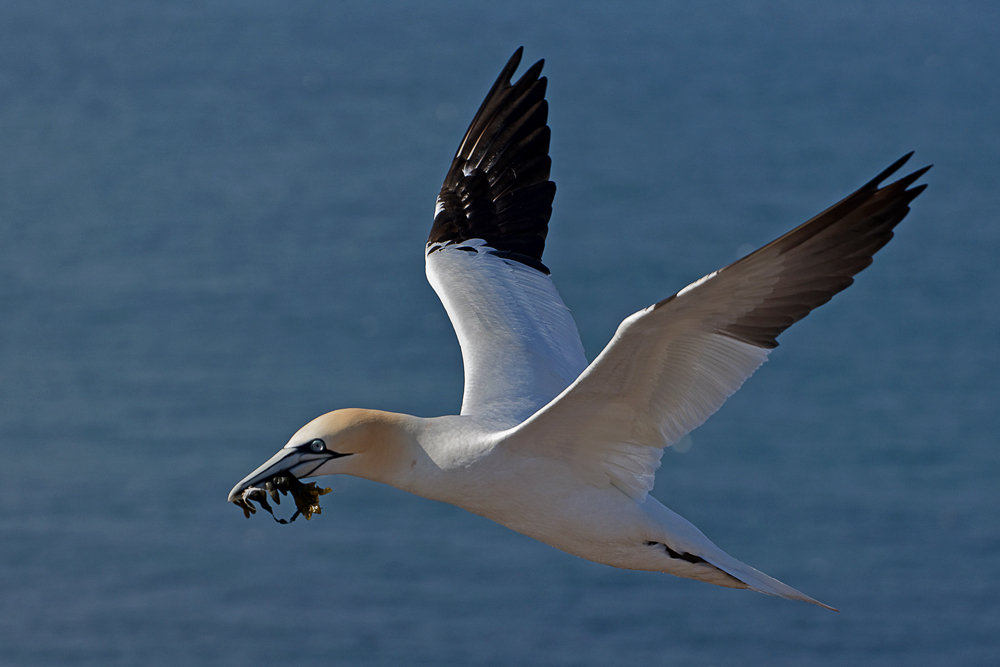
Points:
(317, 446)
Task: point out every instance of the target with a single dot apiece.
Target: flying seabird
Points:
(547, 444)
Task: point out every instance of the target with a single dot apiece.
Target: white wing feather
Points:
(672, 365)
(662, 375)
(520, 345)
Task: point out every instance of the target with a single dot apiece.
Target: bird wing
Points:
(673, 364)
(520, 345)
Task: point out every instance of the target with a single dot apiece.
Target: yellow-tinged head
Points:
(364, 443)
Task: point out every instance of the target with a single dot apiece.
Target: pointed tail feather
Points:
(760, 582)
(685, 538)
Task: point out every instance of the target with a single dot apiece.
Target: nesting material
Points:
(306, 496)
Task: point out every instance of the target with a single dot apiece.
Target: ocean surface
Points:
(212, 218)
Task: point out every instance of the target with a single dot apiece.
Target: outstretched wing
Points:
(672, 365)
(519, 343)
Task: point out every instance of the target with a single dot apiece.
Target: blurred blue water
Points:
(212, 217)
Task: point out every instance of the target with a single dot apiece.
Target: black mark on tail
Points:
(678, 555)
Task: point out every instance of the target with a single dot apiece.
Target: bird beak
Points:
(300, 464)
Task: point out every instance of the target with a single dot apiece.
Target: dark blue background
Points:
(212, 217)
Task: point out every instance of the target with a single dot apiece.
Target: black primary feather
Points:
(820, 257)
(498, 186)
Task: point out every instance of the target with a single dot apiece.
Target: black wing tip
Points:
(498, 186)
(890, 170)
(893, 168)
(912, 178)
(508, 70)
(533, 71)
(832, 247)
(507, 74)
(901, 189)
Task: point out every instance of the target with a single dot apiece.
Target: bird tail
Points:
(683, 538)
(757, 580)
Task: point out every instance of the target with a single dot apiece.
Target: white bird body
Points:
(460, 461)
(546, 444)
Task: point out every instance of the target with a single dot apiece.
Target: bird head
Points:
(351, 441)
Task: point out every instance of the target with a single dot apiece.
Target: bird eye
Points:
(317, 445)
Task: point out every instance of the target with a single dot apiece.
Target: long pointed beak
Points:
(298, 463)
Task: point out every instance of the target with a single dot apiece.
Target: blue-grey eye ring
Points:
(317, 445)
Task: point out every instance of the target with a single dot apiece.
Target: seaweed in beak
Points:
(306, 496)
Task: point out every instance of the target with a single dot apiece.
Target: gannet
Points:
(547, 444)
